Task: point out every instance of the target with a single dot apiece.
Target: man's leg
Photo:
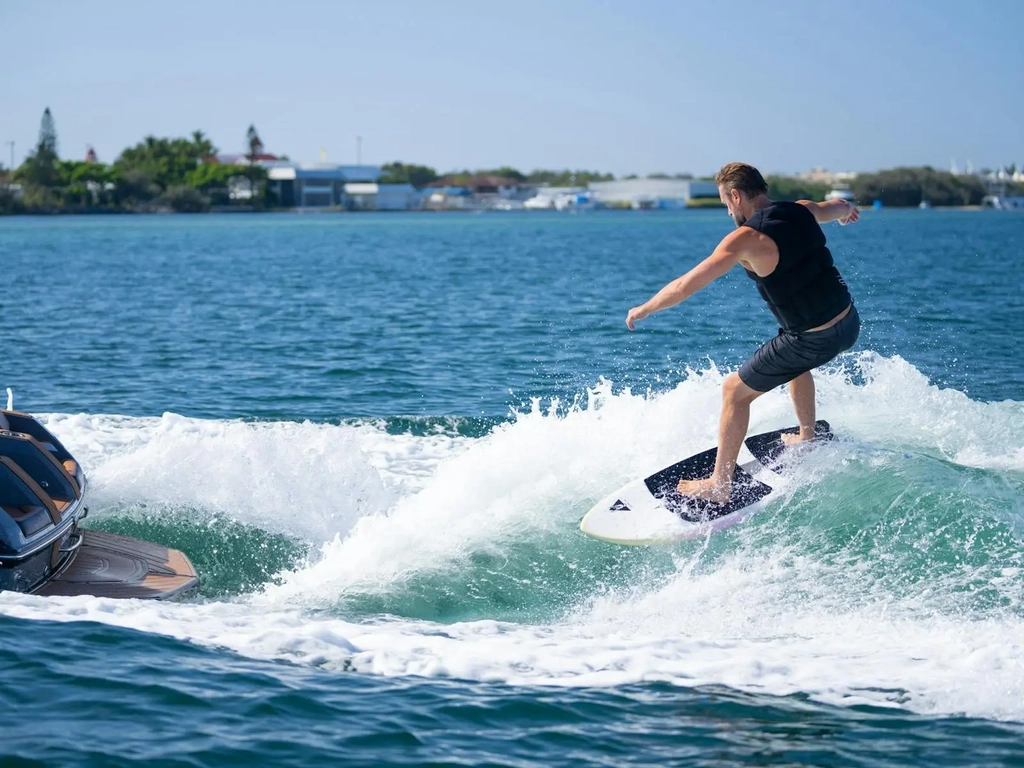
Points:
(801, 392)
(732, 429)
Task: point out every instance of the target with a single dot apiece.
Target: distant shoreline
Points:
(238, 210)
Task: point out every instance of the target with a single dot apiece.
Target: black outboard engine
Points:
(42, 491)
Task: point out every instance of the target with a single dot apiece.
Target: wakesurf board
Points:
(652, 511)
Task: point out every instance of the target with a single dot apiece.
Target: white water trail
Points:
(759, 608)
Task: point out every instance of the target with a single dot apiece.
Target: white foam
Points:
(763, 614)
(305, 480)
(525, 478)
(898, 407)
(718, 635)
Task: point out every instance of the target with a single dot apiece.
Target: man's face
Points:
(732, 200)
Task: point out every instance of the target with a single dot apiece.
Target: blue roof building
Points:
(321, 185)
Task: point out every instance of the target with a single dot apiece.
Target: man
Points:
(782, 248)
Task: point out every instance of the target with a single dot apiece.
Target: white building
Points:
(368, 196)
(821, 175)
(652, 193)
(477, 192)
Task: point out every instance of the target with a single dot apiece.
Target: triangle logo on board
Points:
(619, 506)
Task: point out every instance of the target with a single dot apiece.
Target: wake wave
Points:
(891, 573)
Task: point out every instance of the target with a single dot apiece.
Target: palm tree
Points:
(202, 145)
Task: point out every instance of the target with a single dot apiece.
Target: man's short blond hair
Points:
(742, 177)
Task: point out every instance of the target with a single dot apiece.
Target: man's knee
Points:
(734, 390)
(802, 379)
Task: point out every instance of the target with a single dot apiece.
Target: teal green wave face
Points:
(375, 437)
(232, 558)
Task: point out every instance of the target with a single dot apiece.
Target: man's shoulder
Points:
(797, 207)
(750, 241)
(785, 215)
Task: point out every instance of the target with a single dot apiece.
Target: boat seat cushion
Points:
(30, 518)
(21, 511)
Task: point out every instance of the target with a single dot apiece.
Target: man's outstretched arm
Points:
(725, 256)
(839, 210)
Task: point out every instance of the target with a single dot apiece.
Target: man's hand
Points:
(635, 315)
(850, 217)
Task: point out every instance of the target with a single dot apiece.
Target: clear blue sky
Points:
(630, 86)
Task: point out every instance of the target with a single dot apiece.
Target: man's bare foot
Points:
(794, 438)
(705, 489)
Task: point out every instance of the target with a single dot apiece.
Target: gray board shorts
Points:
(790, 354)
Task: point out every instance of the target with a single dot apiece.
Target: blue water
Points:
(375, 436)
(380, 315)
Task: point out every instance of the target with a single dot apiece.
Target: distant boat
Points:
(924, 205)
(1003, 202)
(508, 205)
(841, 192)
(539, 203)
(575, 201)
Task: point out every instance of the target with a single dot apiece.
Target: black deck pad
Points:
(745, 489)
(768, 448)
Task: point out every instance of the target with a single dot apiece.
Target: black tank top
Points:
(805, 290)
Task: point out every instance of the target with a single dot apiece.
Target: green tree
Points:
(182, 199)
(40, 167)
(8, 204)
(507, 172)
(86, 184)
(202, 145)
(789, 188)
(166, 161)
(908, 186)
(47, 134)
(401, 173)
(215, 181)
(567, 178)
(135, 186)
(214, 175)
(252, 140)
